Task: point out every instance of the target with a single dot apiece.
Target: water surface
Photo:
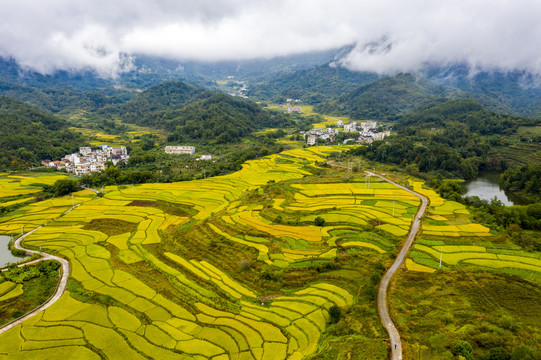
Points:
(487, 186)
(5, 255)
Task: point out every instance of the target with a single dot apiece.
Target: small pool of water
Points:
(487, 186)
(5, 255)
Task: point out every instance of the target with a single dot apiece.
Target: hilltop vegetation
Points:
(312, 86)
(512, 92)
(221, 118)
(164, 96)
(454, 138)
(386, 98)
(28, 135)
(189, 113)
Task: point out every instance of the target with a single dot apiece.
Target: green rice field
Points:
(230, 267)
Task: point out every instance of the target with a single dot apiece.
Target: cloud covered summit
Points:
(390, 35)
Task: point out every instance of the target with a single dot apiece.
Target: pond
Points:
(487, 186)
(5, 255)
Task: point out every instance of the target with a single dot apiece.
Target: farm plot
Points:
(383, 204)
(15, 185)
(445, 240)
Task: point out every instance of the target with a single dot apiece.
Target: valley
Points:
(271, 248)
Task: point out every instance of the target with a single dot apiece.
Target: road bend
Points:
(60, 287)
(383, 308)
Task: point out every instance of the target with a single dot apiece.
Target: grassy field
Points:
(308, 110)
(99, 138)
(488, 310)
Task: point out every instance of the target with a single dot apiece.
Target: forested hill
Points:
(474, 117)
(387, 98)
(62, 99)
(29, 135)
(313, 86)
(454, 138)
(220, 118)
(513, 92)
(168, 95)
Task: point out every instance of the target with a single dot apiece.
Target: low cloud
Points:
(390, 35)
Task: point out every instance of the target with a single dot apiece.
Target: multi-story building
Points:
(190, 150)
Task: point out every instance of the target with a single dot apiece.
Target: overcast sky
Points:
(390, 35)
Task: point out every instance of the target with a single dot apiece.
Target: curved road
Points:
(396, 343)
(60, 287)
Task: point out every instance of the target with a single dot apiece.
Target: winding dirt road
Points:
(60, 287)
(383, 310)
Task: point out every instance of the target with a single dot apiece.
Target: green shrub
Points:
(319, 221)
(462, 348)
(438, 342)
(521, 352)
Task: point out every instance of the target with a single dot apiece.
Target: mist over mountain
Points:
(314, 78)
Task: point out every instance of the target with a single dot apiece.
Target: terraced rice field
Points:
(149, 279)
(9, 290)
(34, 215)
(24, 184)
(448, 233)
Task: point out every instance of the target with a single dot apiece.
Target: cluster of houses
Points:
(294, 109)
(240, 89)
(325, 134)
(87, 160)
(367, 133)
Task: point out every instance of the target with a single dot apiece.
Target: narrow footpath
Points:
(60, 287)
(383, 309)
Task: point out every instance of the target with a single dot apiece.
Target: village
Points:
(88, 160)
(367, 133)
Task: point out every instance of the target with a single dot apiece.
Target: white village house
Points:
(190, 150)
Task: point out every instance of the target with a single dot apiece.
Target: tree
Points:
(334, 313)
(438, 342)
(319, 221)
(498, 353)
(462, 348)
(521, 352)
(65, 187)
(534, 211)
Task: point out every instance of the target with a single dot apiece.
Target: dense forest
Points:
(189, 113)
(512, 92)
(168, 95)
(386, 98)
(453, 138)
(28, 135)
(221, 118)
(525, 180)
(64, 100)
(312, 86)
